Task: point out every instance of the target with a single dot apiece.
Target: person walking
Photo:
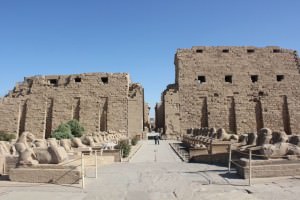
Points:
(156, 138)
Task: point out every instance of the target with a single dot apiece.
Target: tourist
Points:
(156, 138)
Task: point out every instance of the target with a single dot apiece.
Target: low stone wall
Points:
(115, 153)
(46, 173)
(219, 158)
(6, 163)
(197, 152)
(268, 168)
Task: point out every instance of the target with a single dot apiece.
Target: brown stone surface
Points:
(159, 116)
(100, 101)
(240, 89)
(171, 112)
(135, 110)
(6, 163)
(46, 174)
(146, 117)
(268, 168)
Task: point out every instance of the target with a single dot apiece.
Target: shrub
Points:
(134, 140)
(125, 148)
(63, 131)
(6, 136)
(76, 128)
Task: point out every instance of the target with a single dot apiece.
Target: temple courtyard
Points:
(156, 172)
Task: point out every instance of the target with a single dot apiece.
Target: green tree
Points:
(77, 129)
(63, 131)
(6, 136)
(124, 147)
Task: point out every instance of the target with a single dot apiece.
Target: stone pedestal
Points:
(268, 168)
(46, 173)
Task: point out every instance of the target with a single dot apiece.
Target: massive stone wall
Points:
(171, 112)
(159, 116)
(241, 89)
(135, 110)
(147, 125)
(100, 101)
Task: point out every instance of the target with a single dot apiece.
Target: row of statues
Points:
(32, 151)
(200, 137)
(270, 144)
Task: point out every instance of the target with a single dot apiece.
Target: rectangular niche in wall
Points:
(204, 112)
(77, 80)
(76, 108)
(103, 108)
(104, 80)
(48, 117)
(286, 116)
(228, 78)
(279, 78)
(53, 82)
(22, 116)
(201, 79)
(231, 114)
(258, 114)
(254, 78)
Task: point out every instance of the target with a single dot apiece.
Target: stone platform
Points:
(46, 173)
(268, 168)
(218, 158)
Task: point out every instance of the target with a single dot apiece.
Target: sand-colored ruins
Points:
(109, 106)
(226, 102)
(240, 89)
(102, 102)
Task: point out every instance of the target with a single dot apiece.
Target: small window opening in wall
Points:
(53, 81)
(254, 78)
(228, 79)
(199, 50)
(77, 80)
(104, 80)
(280, 78)
(250, 50)
(276, 51)
(225, 50)
(261, 93)
(201, 79)
(29, 81)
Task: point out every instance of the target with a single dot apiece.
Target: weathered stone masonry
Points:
(147, 125)
(241, 89)
(159, 116)
(100, 101)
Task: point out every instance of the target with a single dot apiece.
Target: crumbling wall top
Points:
(237, 50)
(54, 81)
(134, 89)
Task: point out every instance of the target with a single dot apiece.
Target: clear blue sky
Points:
(135, 36)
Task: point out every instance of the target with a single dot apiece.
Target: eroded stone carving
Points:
(264, 136)
(31, 155)
(279, 149)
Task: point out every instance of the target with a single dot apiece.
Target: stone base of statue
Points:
(46, 173)
(268, 168)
